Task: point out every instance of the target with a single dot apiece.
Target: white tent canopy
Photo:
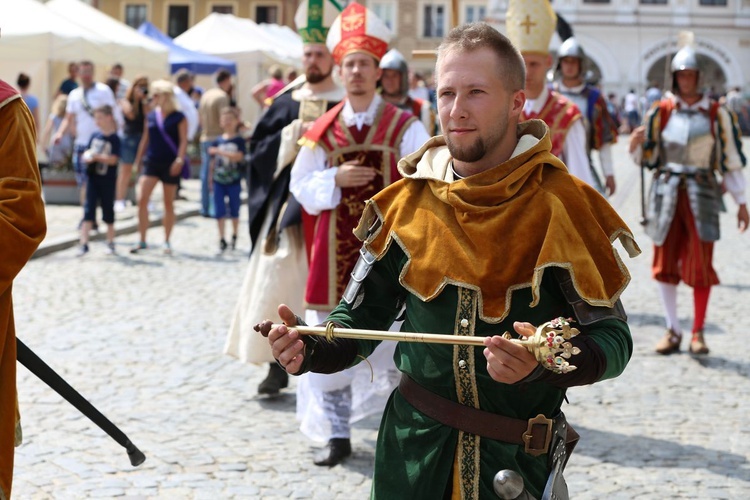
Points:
(39, 42)
(286, 38)
(228, 34)
(31, 31)
(124, 44)
(246, 43)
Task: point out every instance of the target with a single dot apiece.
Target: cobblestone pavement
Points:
(141, 337)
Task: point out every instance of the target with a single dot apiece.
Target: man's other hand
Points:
(350, 174)
(286, 343)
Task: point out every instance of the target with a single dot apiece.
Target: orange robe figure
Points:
(22, 228)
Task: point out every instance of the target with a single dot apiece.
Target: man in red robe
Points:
(348, 155)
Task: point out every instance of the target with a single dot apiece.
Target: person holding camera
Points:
(101, 160)
(134, 107)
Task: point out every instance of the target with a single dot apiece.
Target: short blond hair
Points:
(165, 87)
(475, 36)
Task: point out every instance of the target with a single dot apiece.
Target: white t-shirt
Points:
(98, 95)
(187, 106)
(631, 102)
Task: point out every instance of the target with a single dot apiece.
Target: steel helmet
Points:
(393, 59)
(571, 48)
(685, 58)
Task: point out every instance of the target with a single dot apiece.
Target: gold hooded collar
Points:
(497, 231)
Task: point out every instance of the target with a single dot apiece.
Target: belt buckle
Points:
(528, 435)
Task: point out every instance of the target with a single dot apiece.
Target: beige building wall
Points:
(157, 11)
(631, 41)
(623, 37)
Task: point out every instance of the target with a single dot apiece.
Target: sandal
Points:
(670, 343)
(140, 246)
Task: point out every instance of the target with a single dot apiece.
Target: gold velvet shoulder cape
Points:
(497, 231)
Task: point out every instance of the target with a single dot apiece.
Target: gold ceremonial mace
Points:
(550, 343)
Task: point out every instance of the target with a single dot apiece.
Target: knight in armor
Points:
(530, 25)
(451, 246)
(687, 140)
(395, 89)
(276, 235)
(601, 129)
(347, 156)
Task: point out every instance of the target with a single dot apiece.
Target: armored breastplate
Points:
(687, 139)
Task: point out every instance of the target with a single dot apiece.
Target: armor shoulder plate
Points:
(361, 270)
(586, 314)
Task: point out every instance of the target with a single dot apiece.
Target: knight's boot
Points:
(670, 343)
(698, 343)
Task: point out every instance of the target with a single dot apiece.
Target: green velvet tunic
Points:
(415, 454)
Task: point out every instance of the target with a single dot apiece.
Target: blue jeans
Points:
(129, 148)
(100, 189)
(231, 191)
(207, 205)
(79, 166)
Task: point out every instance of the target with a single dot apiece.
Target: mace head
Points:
(508, 484)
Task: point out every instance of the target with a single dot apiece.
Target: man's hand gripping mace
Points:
(550, 343)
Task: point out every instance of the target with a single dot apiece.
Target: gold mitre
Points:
(530, 25)
(314, 18)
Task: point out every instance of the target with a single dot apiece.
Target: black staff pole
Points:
(644, 219)
(38, 367)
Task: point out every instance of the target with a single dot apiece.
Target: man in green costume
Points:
(486, 233)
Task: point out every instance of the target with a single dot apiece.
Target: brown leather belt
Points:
(535, 434)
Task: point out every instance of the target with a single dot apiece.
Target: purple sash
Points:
(160, 125)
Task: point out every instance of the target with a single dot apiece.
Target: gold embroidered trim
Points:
(464, 372)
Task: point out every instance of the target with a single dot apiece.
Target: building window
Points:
(177, 20)
(135, 15)
(653, 2)
(385, 11)
(475, 13)
(597, 1)
(222, 9)
(266, 14)
(721, 3)
(434, 21)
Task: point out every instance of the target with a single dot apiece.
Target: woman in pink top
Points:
(265, 90)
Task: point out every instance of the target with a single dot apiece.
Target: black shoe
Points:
(276, 380)
(222, 245)
(234, 242)
(334, 452)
